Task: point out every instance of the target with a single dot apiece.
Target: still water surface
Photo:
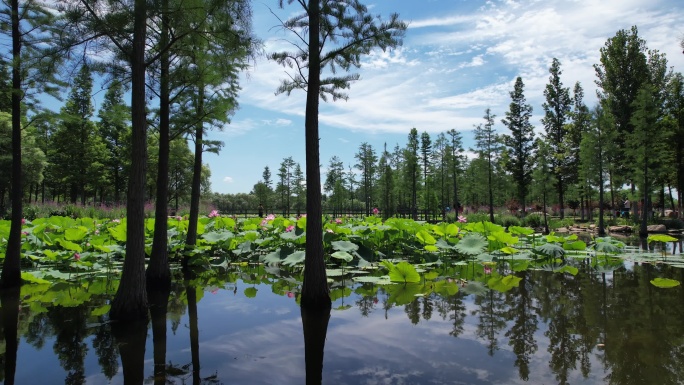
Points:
(592, 328)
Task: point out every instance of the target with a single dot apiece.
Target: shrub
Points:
(477, 217)
(533, 220)
(508, 220)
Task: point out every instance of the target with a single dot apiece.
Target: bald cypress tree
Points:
(339, 33)
(520, 144)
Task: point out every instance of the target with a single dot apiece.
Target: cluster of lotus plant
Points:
(363, 250)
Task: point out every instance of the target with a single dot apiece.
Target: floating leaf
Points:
(661, 238)
(503, 284)
(665, 283)
(28, 277)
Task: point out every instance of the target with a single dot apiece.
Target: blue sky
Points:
(458, 58)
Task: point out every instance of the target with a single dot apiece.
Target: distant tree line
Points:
(582, 160)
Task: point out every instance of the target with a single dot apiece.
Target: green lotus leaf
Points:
(503, 284)
(68, 245)
(75, 233)
(343, 255)
(431, 248)
(443, 244)
(402, 294)
(661, 238)
(250, 292)
(102, 310)
(606, 247)
(553, 250)
(28, 277)
(475, 288)
(665, 283)
(345, 246)
(382, 280)
(572, 270)
(217, 236)
(404, 272)
(574, 245)
(503, 237)
(446, 288)
(518, 230)
(243, 248)
(472, 244)
(336, 272)
(509, 250)
(425, 238)
(295, 258)
(118, 232)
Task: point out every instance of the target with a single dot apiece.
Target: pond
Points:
(241, 324)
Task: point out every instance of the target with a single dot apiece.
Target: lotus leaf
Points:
(425, 238)
(295, 258)
(552, 250)
(345, 246)
(471, 244)
(503, 284)
(250, 292)
(520, 230)
(343, 255)
(661, 238)
(665, 283)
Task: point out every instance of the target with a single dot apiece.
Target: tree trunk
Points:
(158, 272)
(191, 237)
(130, 302)
(11, 268)
(315, 291)
(644, 209)
(561, 206)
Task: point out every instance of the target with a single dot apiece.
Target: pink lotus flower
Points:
(213, 214)
(116, 221)
(97, 232)
(214, 291)
(24, 233)
(77, 256)
(488, 270)
(23, 221)
(338, 221)
(289, 228)
(270, 217)
(462, 219)
(290, 294)
(178, 217)
(376, 211)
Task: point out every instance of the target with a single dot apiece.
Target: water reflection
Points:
(9, 300)
(315, 327)
(606, 324)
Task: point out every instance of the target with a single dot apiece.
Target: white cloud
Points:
(228, 179)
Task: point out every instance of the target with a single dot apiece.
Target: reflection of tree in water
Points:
(70, 326)
(491, 318)
(412, 310)
(643, 329)
(105, 348)
(523, 313)
(452, 308)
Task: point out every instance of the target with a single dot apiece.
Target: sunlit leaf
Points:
(665, 283)
(343, 255)
(404, 272)
(661, 238)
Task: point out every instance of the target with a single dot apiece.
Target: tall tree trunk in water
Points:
(158, 272)
(11, 267)
(191, 237)
(315, 325)
(315, 291)
(130, 302)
